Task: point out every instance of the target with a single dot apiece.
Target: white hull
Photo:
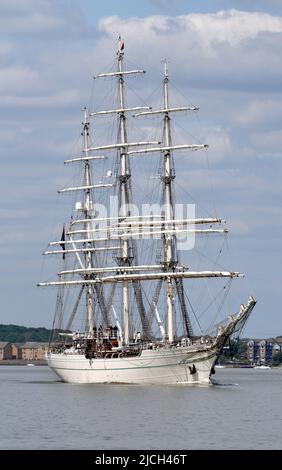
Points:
(160, 366)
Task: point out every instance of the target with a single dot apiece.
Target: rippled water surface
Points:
(243, 411)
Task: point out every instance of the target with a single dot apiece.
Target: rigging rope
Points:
(71, 318)
(183, 307)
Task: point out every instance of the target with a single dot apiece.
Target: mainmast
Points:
(123, 200)
(87, 224)
(167, 178)
(124, 195)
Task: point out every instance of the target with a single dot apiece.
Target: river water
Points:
(243, 411)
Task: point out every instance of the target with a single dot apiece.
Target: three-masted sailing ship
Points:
(127, 333)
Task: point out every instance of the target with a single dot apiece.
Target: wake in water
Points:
(220, 384)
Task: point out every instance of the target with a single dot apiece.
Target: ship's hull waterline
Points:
(164, 366)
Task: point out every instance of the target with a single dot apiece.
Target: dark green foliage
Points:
(21, 334)
(235, 349)
(277, 359)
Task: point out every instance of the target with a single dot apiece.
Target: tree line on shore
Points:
(23, 334)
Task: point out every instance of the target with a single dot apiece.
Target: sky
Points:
(224, 56)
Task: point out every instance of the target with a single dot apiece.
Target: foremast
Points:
(169, 240)
(124, 175)
(87, 214)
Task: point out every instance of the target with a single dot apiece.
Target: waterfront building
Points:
(33, 351)
(5, 350)
(17, 350)
(262, 351)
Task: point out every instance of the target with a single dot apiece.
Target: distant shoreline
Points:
(21, 362)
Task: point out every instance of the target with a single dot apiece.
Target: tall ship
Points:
(123, 311)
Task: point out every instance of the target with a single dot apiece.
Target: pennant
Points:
(63, 238)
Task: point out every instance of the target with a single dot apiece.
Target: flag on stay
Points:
(121, 44)
(63, 238)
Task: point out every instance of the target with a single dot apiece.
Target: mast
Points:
(126, 248)
(168, 176)
(123, 199)
(87, 224)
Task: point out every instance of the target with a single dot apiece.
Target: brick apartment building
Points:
(262, 351)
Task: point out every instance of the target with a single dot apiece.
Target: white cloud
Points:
(34, 23)
(207, 29)
(39, 17)
(222, 50)
(12, 7)
(6, 48)
(270, 141)
(61, 99)
(225, 180)
(17, 78)
(231, 26)
(217, 138)
(219, 143)
(259, 111)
